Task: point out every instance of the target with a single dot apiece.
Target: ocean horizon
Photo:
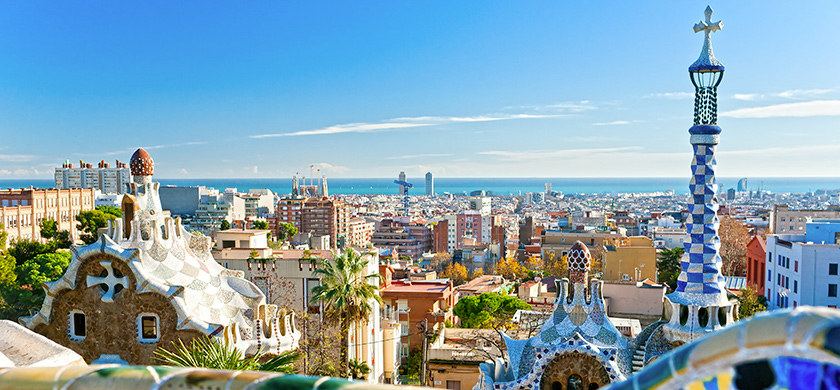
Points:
(498, 186)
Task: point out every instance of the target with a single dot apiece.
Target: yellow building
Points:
(629, 259)
(557, 244)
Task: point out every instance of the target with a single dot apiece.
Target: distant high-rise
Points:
(402, 187)
(742, 185)
(109, 180)
(430, 184)
(548, 188)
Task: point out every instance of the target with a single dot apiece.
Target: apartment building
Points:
(804, 269)
(21, 211)
(325, 217)
(103, 177)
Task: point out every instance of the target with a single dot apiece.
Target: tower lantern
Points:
(701, 303)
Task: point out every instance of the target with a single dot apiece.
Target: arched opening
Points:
(683, 314)
(722, 316)
(703, 317)
(129, 206)
(574, 371)
(575, 382)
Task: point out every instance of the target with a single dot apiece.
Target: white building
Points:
(802, 269)
(104, 178)
(481, 203)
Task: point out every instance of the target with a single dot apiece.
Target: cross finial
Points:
(708, 26)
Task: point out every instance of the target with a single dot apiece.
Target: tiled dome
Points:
(579, 258)
(142, 163)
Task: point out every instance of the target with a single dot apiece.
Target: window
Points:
(832, 269)
(796, 286)
(796, 266)
(404, 350)
(787, 282)
(404, 329)
(832, 290)
(148, 328)
(769, 275)
(228, 244)
(78, 325)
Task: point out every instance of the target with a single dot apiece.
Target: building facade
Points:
(784, 220)
(116, 180)
(21, 211)
(756, 264)
(804, 269)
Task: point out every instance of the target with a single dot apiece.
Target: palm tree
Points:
(346, 292)
(212, 353)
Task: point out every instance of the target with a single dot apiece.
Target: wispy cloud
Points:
(563, 107)
(791, 94)
(670, 95)
(613, 123)
(329, 168)
(402, 123)
(131, 150)
(419, 156)
(16, 157)
(785, 150)
(526, 155)
(803, 109)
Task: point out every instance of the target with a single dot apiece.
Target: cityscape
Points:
(390, 247)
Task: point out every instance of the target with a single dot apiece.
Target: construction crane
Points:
(406, 186)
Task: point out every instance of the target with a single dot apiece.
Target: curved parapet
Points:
(108, 377)
(784, 349)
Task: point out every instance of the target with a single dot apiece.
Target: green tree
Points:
(286, 231)
(8, 277)
(59, 238)
(26, 293)
(219, 355)
(92, 220)
(48, 228)
(346, 292)
(110, 210)
(668, 266)
(488, 310)
(750, 303)
(262, 225)
(225, 225)
(24, 250)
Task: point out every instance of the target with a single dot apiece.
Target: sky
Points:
(262, 89)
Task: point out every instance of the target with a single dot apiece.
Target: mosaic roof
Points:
(141, 163)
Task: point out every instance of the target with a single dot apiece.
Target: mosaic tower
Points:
(700, 303)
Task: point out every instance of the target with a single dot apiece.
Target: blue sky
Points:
(369, 89)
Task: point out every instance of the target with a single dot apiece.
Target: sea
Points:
(496, 186)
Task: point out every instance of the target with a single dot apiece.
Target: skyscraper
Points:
(402, 187)
(430, 184)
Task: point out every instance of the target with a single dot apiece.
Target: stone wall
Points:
(111, 326)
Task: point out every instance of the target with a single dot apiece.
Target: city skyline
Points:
(473, 89)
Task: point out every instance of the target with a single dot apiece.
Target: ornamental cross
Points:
(110, 281)
(707, 26)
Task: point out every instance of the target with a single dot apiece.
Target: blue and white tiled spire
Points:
(700, 302)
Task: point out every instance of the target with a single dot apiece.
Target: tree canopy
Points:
(750, 303)
(24, 250)
(668, 266)
(510, 269)
(225, 225)
(456, 272)
(262, 225)
(488, 310)
(286, 230)
(734, 238)
(25, 292)
(59, 238)
(92, 220)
